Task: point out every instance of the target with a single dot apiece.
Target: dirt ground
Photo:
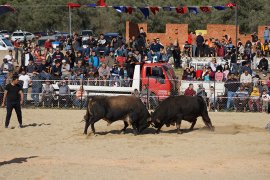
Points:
(52, 146)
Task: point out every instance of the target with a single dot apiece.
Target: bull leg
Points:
(192, 125)
(135, 131)
(125, 127)
(87, 124)
(158, 129)
(93, 128)
(178, 125)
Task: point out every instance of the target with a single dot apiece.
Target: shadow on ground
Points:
(17, 160)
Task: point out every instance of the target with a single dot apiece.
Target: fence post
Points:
(147, 96)
(214, 95)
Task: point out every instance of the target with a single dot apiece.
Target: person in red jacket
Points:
(48, 44)
(190, 91)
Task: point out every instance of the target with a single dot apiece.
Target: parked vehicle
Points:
(5, 34)
(39, 34)
(85, 34)
(5, 44)
(20, 35)
(110, 36)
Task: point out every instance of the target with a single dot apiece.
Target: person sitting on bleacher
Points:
(47, 93)
(241, 99)
(104, 74)
(64, 93)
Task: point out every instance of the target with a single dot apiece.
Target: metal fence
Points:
(219, 96)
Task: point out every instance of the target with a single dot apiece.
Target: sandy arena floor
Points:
(52, 146)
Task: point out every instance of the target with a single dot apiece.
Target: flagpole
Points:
(69, 12)
(236, 28)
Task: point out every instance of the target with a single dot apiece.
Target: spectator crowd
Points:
(111, 62)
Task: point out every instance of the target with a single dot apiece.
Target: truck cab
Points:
(161, 79)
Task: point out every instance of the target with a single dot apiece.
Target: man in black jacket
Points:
(263, 66)
(13, 95)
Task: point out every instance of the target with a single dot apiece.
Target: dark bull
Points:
(175, 109)
(113, 108)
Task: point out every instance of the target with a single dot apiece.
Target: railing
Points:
(219, 96)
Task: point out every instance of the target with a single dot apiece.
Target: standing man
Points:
(26, 80)
(266, 34)
(14, 96)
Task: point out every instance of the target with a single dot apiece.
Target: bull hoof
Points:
(122, 132)
(179, 132)
(157, 132)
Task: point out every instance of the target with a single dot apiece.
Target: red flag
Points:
(129, 10)
(205, 9)
(231, 5)
(101, 3)
(181, 10)
(72, 5)
(154, 10)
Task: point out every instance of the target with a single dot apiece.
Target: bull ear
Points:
(158, 120)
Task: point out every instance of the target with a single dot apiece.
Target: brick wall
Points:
(179, 32)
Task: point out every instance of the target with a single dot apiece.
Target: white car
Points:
(21, 34)
(4, 33)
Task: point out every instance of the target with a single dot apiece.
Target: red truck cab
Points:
(161, 79)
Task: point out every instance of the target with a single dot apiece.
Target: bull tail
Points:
(204, 114)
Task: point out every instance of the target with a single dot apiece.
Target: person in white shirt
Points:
(26, 80)
(10, 58)
(246, 80)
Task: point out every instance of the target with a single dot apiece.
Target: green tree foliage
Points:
(37, 15)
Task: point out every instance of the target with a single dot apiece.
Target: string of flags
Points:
(155, 9)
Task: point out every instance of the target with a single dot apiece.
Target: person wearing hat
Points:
(13, 96)
(65, 69)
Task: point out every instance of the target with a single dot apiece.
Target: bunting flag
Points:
(193, 10)
(101, 3)
(231, 5)
(121, 9)
(205, 9)
(6, 8)
(167, 8)
(72, 5)
(181, 10)
(129, 10)
(154, 10)
(220, 8)
(145, 11)
(91, 5)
